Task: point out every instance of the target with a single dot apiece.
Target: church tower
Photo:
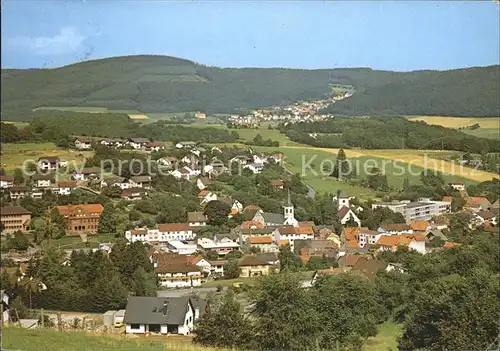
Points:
(289, 213)
(342, 199)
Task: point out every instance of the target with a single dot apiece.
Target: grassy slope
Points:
(13, 155)
(28, 340)
(489, 127)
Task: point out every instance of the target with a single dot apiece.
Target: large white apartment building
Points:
(424, 209)
(162, 234)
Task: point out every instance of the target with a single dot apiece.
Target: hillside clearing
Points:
(457, 122)
(14, 155)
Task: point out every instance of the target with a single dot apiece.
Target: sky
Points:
(399, 35)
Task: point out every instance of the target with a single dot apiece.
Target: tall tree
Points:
(227, 317)
(108, 220)
(284, 314)
(217, 212)
(231, 269)
(18, 176)
(288, 261)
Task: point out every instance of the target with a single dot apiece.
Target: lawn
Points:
(14, 155)
(28, 340)
(386, 338)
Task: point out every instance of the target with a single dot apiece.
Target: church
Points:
(268, 219)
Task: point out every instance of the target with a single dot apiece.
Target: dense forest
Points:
(59, 125)
(168, 84)
(461, 92)
(385, 133)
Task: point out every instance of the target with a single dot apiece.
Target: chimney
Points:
(165, 308)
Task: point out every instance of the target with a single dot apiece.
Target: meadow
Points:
(13, 155)
(87, 109)
(489, 127)
(14, 338)
(398, 165)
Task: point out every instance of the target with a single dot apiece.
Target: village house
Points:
(395, 229)
(460, 186)
(43, 180)
(288, 234)
(203, 183)
(198, 150)
(368, 268)
(255, 168)
(252, 266)
(217, 267)
(18, 192)
(198, 260)
(368, 237)
(65, 187)
(276, 183)
(181, 247)
(6, 181)
(176, 272)
(255, 231)
(138, 143)
(263, 243)
(205, 196)
(477, 203)
(196, 219)
(154, 146)
(120, 182)
(81, 218)
(86, 174)
(167, 162)
(487, 218)
(114, 143)
(414, 242)
(141, 181)
(240, 159)
(163, 315)
(131, 194)
(14, 218)
(49, 163)
(185, 145)
(222, 246)
(83, 143)
(420, 227)
(348, 261)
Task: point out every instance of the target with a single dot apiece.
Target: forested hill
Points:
(168, 84)
(461, 92)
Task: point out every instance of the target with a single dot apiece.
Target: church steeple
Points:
(288, 214)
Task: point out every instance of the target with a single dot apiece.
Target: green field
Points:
(28, 340)
(410, 165)
(87, 109)
(489, 127)
(39, 339)
(304, 275)
(13, 155)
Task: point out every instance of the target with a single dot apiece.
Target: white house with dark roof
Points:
(163, 315)
(196, 219)
(83, 143)
(141, 181)
(138, 143)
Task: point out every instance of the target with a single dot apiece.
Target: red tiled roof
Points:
(89, 208)
(173, 227)
(343, 212)
(260, 240)
(419, 226)
(351, 232)
(139, 231)
(397, 227)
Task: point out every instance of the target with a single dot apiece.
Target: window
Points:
(135, 326)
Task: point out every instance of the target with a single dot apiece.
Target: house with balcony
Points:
(176, 272)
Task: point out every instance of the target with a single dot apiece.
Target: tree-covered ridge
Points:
(168, 84)
(58, 125)
(461, 92)
(385, 133)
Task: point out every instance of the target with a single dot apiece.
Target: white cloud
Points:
(67, 41)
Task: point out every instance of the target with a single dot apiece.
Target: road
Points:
(183, 292)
